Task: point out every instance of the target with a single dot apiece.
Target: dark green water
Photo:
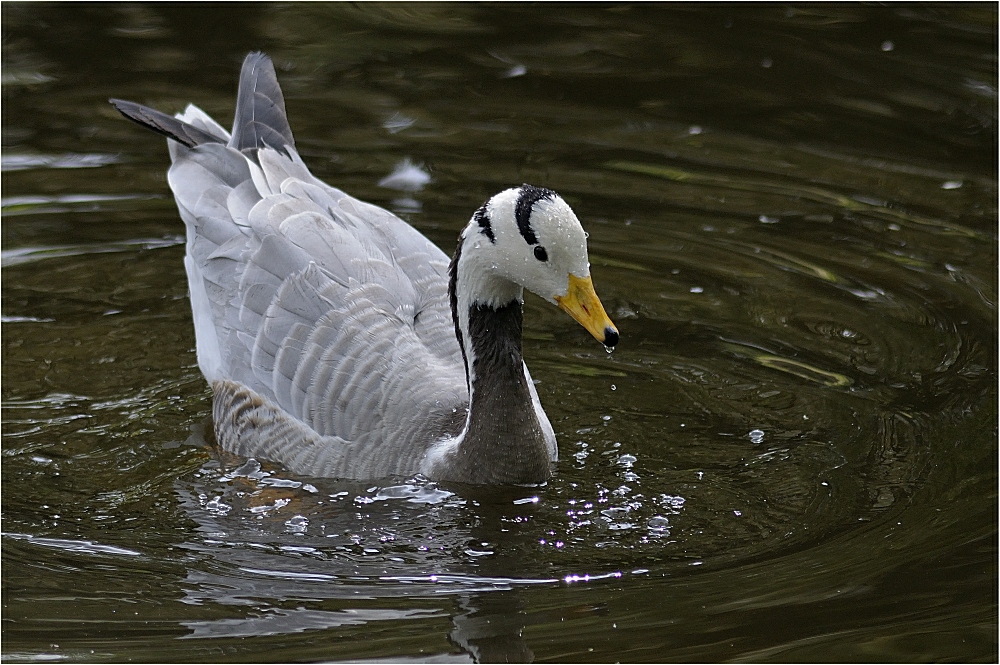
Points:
(791, 456)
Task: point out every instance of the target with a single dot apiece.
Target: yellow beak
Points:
(582, 303)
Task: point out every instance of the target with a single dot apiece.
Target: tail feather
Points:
(260, 114)
(260, 109)
(171, 127)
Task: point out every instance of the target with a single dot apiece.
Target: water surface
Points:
(792, 455)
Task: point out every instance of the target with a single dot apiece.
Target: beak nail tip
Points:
(610, 337)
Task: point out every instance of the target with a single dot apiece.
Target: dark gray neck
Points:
(503, 442)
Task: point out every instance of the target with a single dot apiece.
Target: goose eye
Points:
(540, 253)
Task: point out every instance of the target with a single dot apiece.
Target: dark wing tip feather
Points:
(260, 108)
(161, 123)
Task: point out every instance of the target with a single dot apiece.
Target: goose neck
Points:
(502, 440)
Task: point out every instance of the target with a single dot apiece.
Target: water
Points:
(791, 455)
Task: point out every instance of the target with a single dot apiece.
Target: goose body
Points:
(338, 340)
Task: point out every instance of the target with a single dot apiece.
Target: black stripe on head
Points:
(526, 200)
(483, 219)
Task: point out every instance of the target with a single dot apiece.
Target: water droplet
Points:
(888, 46)
(605, 418)
(609, 349)
(756, 436)
(951, 184)
(696, 289)
(766, 63)
(614, 387)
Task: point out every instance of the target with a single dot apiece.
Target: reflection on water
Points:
(791, 455)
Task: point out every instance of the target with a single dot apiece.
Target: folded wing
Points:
(330, 309)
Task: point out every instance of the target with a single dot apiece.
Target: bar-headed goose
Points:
(337, 339)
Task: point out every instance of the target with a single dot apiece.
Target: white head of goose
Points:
(337, 339)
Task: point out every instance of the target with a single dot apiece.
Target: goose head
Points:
(529, 238)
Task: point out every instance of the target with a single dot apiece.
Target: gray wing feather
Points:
(323, 322)
(336, 320)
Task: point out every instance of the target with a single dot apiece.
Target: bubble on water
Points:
(626, 460)
(671, 503)
(278, 504)
(658, 524)
(250, 469)
(297, 524)
(427, 493)
(217, 506)
(756, 436)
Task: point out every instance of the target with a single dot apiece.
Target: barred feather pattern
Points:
(322, 322)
